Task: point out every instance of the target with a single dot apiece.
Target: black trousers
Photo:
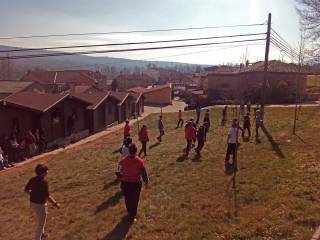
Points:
(200, 146)
(143, 149)
(230, 168)
(244, 130)
(189, 144)
(232, 149)
(161, 133)
(131, 192)
(180, 123)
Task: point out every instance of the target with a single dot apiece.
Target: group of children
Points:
(127, 140)
(193, 135)
(233, 134)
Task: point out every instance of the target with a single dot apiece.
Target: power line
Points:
(289, 48)
(126, 32)
(126, 50)
(284, 48)
(176, 55)
(167, 56)
(275, 32)
(129, 43)
(288, 54)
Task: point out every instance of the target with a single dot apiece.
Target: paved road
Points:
(175, 107)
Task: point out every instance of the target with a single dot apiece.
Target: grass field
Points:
(313, 81)
(277, 194)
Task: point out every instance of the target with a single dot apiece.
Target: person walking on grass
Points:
(201, 133)
(198, 112)
(144, 138)
(130, 171)
(190, 135)
(126, 130)
(161, 129)
(124, 151)
(246, 125)
(37, 189)
(180, 120)
(232, 143)
(259, 122)
(224, 115)
(206, 121)
(249, 106)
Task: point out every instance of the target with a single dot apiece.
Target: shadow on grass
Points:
(112, 201)
(274, 145)
(120, 231)
(110, 184)
(302, 140)
(245, 139)
(155, 145)
(116, 151)
(231, 194)
(196, 158)
(182, 158)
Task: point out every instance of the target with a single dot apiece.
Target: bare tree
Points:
(309, 11)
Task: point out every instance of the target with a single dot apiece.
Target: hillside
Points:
(276, 195)
(21, 66)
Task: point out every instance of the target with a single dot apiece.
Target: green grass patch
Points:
(277, 190)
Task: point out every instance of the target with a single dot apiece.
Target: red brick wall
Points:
(161, 96)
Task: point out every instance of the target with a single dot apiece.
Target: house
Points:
(85, 89)
(281, 86)
(125, 110)
(137, 104)
(102, 110)
(13, 86)
(52, 112)
(126, 81)
(60, 81)
(156, 95)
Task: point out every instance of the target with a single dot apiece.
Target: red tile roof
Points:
(51, 77)
(94, 99)
(120, 96)
(156, 88)
(13, 86)
(136, 96)
(34, 101)
(137, 89)
(146, 90)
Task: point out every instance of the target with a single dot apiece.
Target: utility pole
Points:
(301, 50)
(266, 63)
(8, 68)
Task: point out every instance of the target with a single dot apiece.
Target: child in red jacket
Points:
(190, 134)
(143, 138)
(126, 130)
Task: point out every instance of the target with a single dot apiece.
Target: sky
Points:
(41, 17)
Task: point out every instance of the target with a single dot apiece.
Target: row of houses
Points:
(65, 102)
(66, 117)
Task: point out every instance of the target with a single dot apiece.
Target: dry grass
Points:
(276, 196)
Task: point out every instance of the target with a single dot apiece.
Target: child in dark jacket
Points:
(201, 136)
